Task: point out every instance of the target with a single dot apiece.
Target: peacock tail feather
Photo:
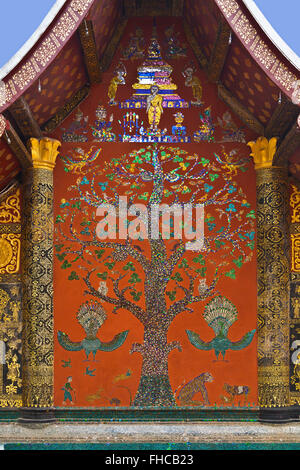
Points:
(220, 314)
(91, 316)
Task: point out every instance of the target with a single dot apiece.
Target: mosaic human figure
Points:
(68, 390)
(154, 107)
(194, 82)
(118, 79)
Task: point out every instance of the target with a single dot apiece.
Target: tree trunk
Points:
(154, 387)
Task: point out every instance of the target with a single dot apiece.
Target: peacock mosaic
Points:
(146, 321)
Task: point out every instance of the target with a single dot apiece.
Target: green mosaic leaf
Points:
(99, 253)
(183, 264)
(251, 214)
(143, 196)
(84, 223)
(201, 271)
(109, 265)
(231, 274)
(103, 275)
(213, 176)
(65, 265)
(59, 218)
(135, 295)
(177, 277)
(204, 161)
(199, 259)
(134, 278)
(239, 261)
(73, 276)
(171, 294)
(129, 266)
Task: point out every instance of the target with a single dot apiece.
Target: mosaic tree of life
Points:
(155, 278)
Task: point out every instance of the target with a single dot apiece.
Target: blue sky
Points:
(284, 16)
(18, 21)
(20, 18)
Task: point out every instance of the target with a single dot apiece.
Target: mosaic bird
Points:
(220, 314)
(66, 363)
(83, 159)
(91, 317)
(90, 372)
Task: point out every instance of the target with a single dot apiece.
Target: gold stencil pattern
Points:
(9, 253)
(295, 205)
(10, 209)
(37, 262)
(295, 239)
(273, 287)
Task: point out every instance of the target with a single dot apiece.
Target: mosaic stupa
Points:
(154, 71)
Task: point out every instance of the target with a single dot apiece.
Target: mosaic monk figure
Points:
(154, 107)
(194, 82)
(118, 79)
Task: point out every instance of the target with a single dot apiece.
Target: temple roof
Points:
(255, 73)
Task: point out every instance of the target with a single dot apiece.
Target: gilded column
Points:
(37, 280)
(273, 269)
(295, 295)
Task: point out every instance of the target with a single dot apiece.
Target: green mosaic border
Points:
(156, 414)
(144, 415)
(150, 446)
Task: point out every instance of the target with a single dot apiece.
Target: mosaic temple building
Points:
(119, 107)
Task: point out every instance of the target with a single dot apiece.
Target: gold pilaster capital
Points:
(263, 151)
(44, 152)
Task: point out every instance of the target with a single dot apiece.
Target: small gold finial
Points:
(44, 152)
(263, 151)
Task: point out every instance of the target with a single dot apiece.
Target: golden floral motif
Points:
(295, 205)
(244, 28)
(6, 253)
(2, 124)
(295, 239)
(10, 209)
(284, 76)
(262, 52)
(229, 7)
(80, 6)
(46, 50)
(4, 299)
(9, 253)
(64, 27)
(13, 375)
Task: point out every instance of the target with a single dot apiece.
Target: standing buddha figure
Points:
(154, 107)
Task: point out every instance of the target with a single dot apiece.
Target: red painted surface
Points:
(111, 383)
